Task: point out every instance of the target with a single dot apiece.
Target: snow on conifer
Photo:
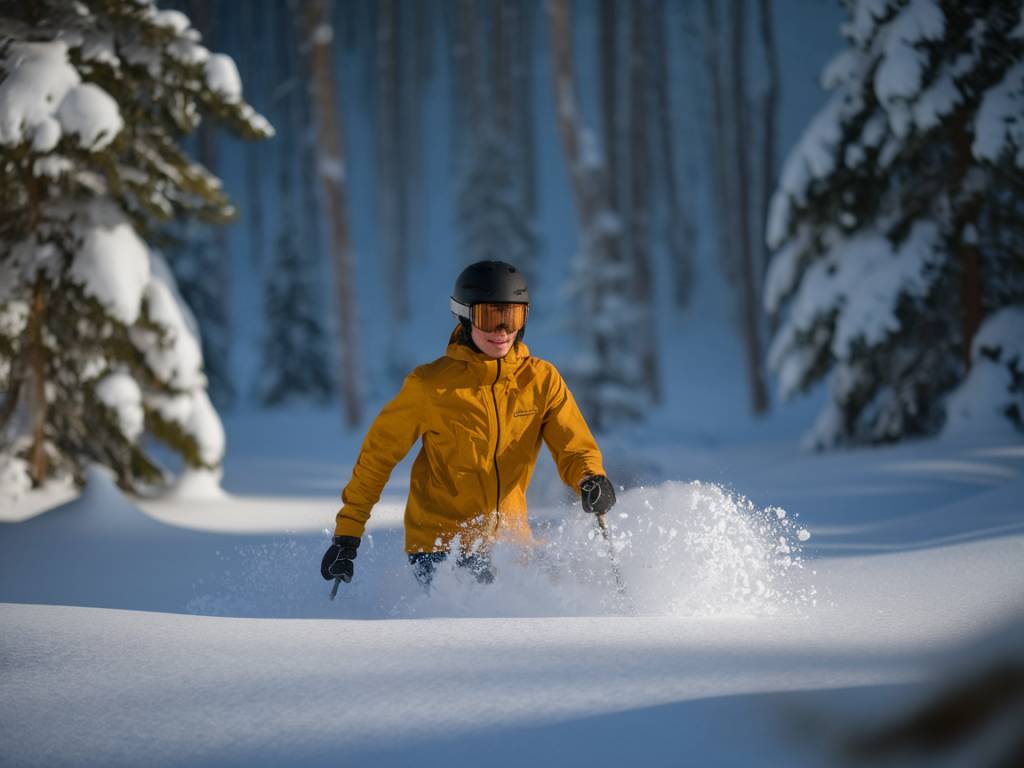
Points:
(991, 398)
(898, 222)
(96, 347)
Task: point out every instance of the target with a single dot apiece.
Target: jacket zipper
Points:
(497, 442)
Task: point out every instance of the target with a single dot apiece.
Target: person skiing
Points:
(480, 412)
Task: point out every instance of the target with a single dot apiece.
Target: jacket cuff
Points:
(588, 471)
(346, 526)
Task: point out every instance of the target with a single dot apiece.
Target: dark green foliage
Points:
(60, 335)
(900, 163)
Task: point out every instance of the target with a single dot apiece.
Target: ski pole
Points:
(334, 589)
(621, 585)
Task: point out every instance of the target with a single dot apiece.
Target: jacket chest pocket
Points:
(461, 443)
(522, 419)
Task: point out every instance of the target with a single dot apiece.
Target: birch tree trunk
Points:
(331, 171)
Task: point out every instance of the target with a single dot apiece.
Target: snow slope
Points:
(230, 652)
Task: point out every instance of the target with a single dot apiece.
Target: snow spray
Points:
(683, 549)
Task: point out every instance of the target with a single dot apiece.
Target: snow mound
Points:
(199, 484)
(682, 549)
(990, 400)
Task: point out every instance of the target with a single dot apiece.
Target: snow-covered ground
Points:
(177, 631)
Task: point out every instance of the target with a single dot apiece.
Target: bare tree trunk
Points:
(971, 286)
(717, 137)
(37, 357)
(640, 175)
(501, 65)
(405, 132)
(424, 35)
(388, 141)
(750, 314)
(331, 170)
(421, 60)
(601, 242)
(472, 33)
(567, 112)
(680, 224)
(608, 58)
(11, 396)
(305, 138)
(970, 297)
(769, 108)
(397, 134)
(254, 31)
(38, 463)
(522, 78)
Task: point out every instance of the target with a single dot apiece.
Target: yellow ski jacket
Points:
(481, 422)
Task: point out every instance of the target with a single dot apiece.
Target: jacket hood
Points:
(482, 367)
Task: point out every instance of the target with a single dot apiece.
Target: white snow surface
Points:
(199, 485)
(15, 481)
(199, 631)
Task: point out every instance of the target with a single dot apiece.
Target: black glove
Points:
(337, 562)
(597, 494)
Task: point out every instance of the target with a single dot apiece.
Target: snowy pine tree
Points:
(491, 205)
(493, 224)
(296, 356)
(96, 347)
(610, 365)
(898, 218)
(295, 351)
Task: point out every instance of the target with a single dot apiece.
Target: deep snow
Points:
(913, 550)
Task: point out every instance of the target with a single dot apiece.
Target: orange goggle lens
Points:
(490, 317)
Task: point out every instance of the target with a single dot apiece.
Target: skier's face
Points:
(494, 343)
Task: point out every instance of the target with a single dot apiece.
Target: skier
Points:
(480, 412)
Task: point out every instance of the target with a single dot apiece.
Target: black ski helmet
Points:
(495, 282)
(491, 282)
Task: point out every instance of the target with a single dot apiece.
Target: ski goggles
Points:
(490, 317)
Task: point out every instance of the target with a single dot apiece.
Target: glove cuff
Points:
(348, 546)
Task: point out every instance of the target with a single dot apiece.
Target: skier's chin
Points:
(498, 348)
